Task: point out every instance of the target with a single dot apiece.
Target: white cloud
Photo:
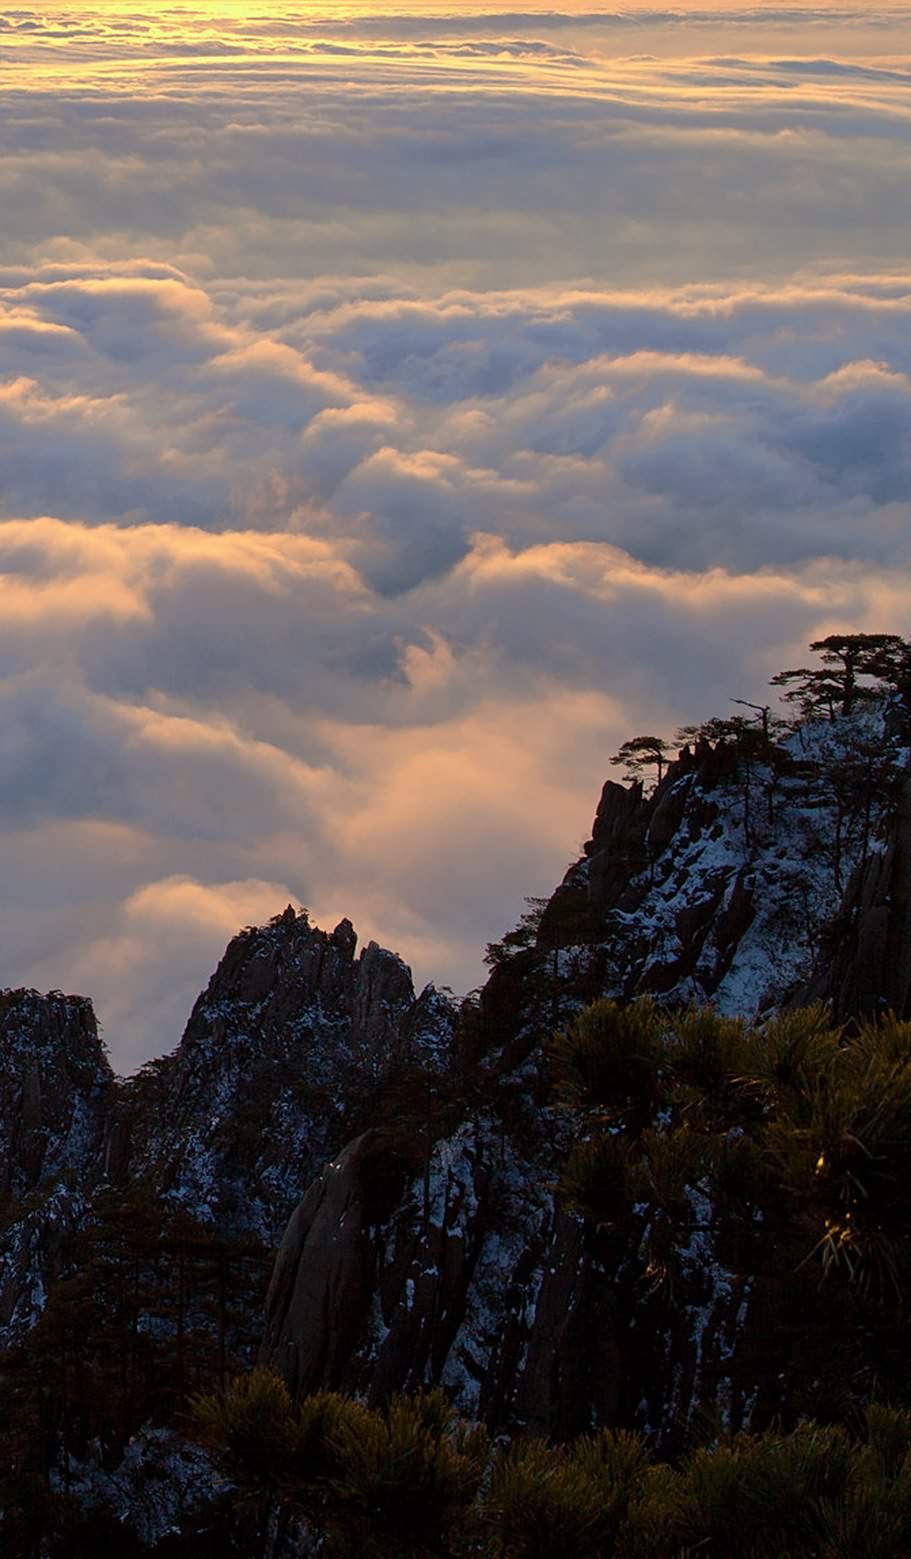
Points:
(394, 413)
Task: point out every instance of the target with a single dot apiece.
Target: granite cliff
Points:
(281, 1057)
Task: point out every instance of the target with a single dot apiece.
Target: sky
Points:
(400, 408)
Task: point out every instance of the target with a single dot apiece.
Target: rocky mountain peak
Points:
(731, 881)
(279, 977)
(282, 1050)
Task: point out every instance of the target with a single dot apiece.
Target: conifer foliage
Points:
(641, 753)
(408, 1482)
(813, 1120)
(394, 1483)
(855, 666)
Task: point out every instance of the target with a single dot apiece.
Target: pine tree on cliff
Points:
(641, 753)
(836, 687)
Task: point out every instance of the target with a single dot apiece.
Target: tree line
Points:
(857, 670)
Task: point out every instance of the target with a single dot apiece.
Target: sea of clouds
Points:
(397, 411)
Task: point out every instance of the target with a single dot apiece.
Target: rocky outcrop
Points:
(436, 1285)
(285, 1052)
(36, 1249)
(54, 1086)
(282, 1055)
(328, 1264)
(721, 886)
(473, 1277)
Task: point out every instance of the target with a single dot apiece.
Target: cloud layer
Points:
(398, 412)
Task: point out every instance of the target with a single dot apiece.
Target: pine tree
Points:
(641, 753)
(852, 666)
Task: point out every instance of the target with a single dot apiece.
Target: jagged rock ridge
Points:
(280, 1057)
(282, 1054)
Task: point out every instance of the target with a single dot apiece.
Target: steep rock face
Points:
(54, 1085)
(282, 1053)
(437, 1284)
(724, 886)
(283, 1057)
(866, 966)
(36, 1248)
(476, 1279)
